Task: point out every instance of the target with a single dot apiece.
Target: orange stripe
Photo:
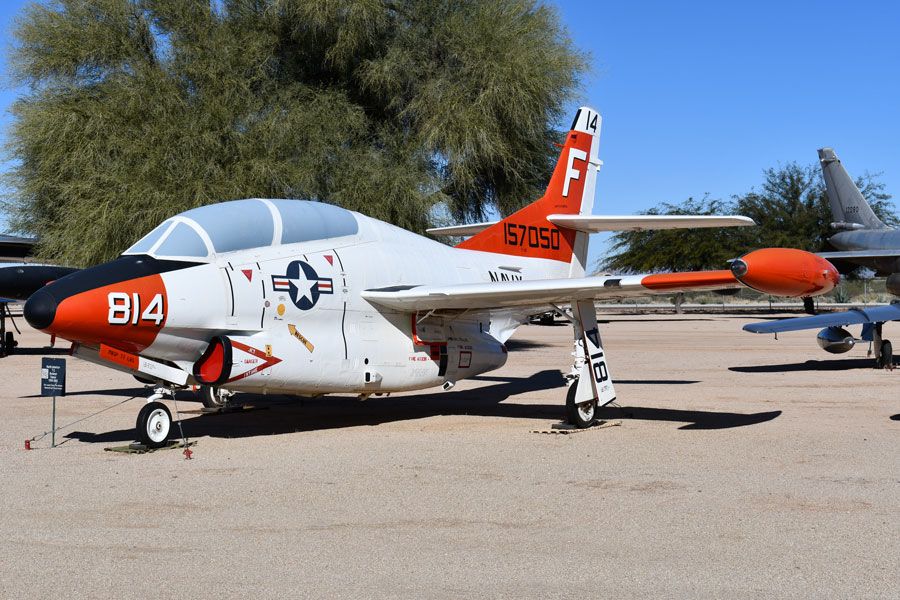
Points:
(119, 357)
(695, 279)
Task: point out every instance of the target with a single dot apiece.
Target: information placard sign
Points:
(53, 376)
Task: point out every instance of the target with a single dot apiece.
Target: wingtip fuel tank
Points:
(786, 272)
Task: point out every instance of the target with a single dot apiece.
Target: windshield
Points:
(202, 232)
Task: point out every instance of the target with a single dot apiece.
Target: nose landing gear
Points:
(154, 421)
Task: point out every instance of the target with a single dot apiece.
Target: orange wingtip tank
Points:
(786, 272)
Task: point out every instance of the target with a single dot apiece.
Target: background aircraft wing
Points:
(13, 247)
(877, 314)
(543, 292)
(851, 254)
(20, 280)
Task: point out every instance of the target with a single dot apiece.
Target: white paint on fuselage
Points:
(356, 346)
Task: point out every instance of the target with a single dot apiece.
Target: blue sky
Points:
(699, 97)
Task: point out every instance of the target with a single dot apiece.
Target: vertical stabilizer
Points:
(527, 232)
(848, 206)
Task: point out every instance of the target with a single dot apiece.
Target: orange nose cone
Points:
(786, 272)
(127, 315)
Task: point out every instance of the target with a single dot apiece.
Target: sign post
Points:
(53, 383)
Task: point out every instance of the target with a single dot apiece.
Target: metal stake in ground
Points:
(53, 383)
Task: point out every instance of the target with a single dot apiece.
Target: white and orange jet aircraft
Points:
(299, 297)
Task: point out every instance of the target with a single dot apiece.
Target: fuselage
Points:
(871, 239)
(291, 308)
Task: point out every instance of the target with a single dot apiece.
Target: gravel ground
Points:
(743, 467)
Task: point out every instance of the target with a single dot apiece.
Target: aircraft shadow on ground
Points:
(39, 351)
(841, 364)
(613, 321)
(281, 414)
(695, 419)
(136, 392)
(895, 417)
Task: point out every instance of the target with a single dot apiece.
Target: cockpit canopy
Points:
(201, 233)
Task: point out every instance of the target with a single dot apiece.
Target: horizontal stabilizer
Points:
(877, 314)
(595, 224)
(852, 254)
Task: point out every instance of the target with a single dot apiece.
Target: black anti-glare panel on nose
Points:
(121, 269)
(40, 309)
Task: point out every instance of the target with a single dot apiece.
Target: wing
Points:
(878, 314)
(851, 254)
(595, 224)
(542, 292)
(15, 248)
(20, 280)
(470, 229)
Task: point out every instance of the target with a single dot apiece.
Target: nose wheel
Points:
(154, 423)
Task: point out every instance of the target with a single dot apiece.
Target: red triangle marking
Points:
(248, 273)
(330, 259)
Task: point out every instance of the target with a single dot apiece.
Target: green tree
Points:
(139, 109)
(790, 209)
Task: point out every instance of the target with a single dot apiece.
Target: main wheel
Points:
(581, 415)
(809, 305)
(213, 397)
(154, 422)
(886, 357)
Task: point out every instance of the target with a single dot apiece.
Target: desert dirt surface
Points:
(742, 467)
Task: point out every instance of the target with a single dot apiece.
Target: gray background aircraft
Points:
(863, 239)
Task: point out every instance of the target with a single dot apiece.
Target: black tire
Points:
(581, 416)
(886, 357)
(10, 342)
(809, 305)
(210, 397)
(547, 319)
(154, 424)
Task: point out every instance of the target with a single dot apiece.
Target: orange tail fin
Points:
(527, 232)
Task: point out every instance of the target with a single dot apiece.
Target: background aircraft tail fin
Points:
(527, 232)
(848, 206)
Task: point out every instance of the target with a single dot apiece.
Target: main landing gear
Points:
(8, 342)
(884, 350)
(590, 385)
(809, 305)
(214, 397)
(581, 415)
(885, 358)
